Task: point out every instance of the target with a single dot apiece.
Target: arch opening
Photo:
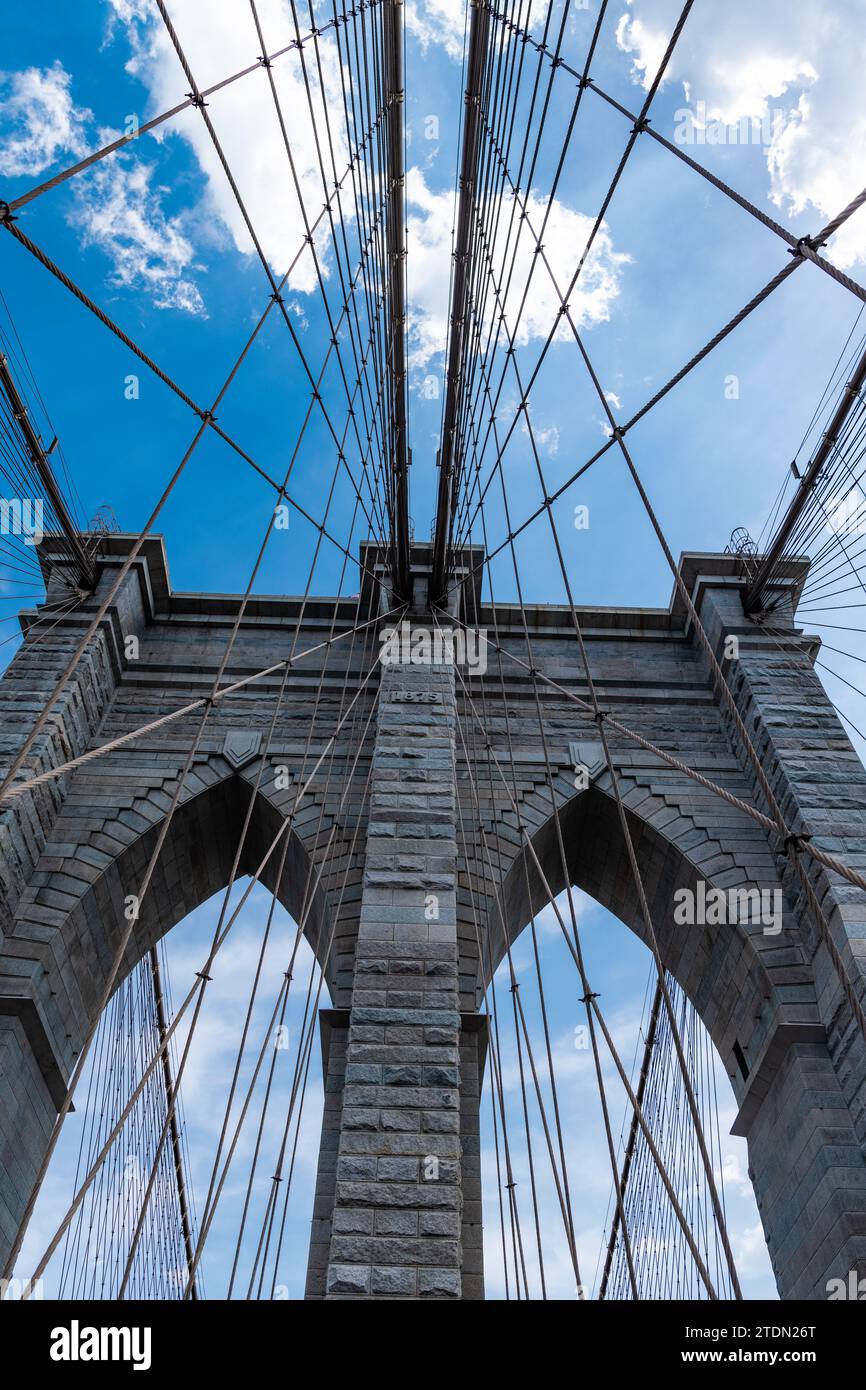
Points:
(188, 888)
(720, 965)
(717, 969)
(195, 862)
(249, 1108)
(621, 970)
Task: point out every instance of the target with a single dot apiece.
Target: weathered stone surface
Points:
(349, 1279)
(406, 886)
(418, 923)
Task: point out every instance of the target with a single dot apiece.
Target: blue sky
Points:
(690, 259)
(154, 237)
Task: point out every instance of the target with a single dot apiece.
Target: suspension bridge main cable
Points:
(207, 419)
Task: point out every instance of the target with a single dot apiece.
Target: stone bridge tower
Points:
(409, 911)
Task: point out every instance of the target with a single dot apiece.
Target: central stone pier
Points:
(396, 1215)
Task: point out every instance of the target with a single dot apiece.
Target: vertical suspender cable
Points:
(448, 464)
(652, 1029)
(850, 394)
(396, 222)
(176, 1148)
(39, 456)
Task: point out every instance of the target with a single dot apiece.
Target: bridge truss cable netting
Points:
(96, 1243)
(824, 485)
(515, 144)
(356, 400)
(666, 1232)
(662, 1262)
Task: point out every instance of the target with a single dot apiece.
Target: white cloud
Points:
(118, 209)
(747, 60)
(546, 437)
(734, 1175)
(750, 1250)
(40, 120)
(547, 922)
(218, 39)
(428, 256)
(445, 23)
(429, 249)
(125, 11)
(438, 22)
(118, 205)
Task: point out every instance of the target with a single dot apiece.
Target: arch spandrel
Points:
(65, 934)
(728, 970)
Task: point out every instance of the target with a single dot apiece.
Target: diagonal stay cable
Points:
(596, 227)
(496, 877)
(145, 127)
(310, 890)
(674, 381)
(798, 254)
(753, 812)
(599, 717)
(808, 245)
(527, 841)
(247, 821)
(847, 212)
(139, 898)
(72, 664)
(794, 844)
(183, 710)
(310, 1013)
(242, 840)
(51, 773)
(348, 295)
(235, 866)
(356, 742)
(324, 855)
(502, 149)
(486, 973)
(549, 776)
(458, 381)
(208, 417)
(201, 106)
(192, 993)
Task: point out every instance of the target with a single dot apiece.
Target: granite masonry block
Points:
(395, 1091)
